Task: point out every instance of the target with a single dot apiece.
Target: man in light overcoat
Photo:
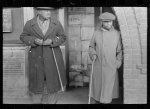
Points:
(106, 49)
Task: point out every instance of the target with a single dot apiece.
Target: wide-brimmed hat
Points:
(106, 16)
(44, 8)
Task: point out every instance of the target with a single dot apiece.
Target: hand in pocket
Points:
(118, 63)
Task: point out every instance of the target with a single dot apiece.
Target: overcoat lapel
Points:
(36, 28)
(51, 28)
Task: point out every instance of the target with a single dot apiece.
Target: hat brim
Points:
(106, 19)
(44, 8)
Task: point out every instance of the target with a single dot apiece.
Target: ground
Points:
(77, 95)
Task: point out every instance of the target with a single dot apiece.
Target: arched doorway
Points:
(133, 27)
(132, 24)
(79, 41)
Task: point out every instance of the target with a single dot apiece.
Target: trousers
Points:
(45, 97)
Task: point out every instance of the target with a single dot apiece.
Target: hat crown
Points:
(44, 8)
(107, 16)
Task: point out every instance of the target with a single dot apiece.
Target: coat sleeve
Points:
(119, 54)
(92, 47)
(60, 37)
(26, 37)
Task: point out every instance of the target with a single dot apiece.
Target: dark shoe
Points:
(96, 102)
(100, 103)
(104, 103)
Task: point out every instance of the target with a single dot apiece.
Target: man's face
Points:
(107, 24)
(46, 14)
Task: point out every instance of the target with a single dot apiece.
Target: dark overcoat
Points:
(41, 60)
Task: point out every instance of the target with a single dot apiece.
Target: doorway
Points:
(82, 21)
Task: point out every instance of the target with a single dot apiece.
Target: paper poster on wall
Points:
(7, 20)
(75, 19)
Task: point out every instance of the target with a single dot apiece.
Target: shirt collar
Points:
(34, 21)
(38, 19)
(107, 30)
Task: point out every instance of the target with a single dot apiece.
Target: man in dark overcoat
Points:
(44, 33)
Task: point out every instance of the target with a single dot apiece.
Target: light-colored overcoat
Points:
(106, 45)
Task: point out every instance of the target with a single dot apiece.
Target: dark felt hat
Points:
(106, 16)
(44, 8)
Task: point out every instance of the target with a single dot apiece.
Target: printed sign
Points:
(14, 73)
(75, 19)
(7, 20)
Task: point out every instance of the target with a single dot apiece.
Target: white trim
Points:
(28, 13)
(61, 16)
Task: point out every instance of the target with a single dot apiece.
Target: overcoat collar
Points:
(102, 29)
(37, 29)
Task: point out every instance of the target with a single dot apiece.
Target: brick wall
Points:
(81, 28)
(133, 26)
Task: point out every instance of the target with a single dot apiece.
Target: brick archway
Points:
(133, 26)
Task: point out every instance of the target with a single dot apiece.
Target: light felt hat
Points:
(106, 16)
